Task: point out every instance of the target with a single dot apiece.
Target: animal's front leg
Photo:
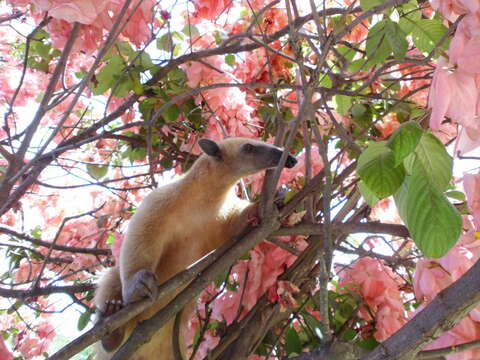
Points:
(142, 284)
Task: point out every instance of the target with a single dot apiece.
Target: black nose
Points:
(291, 161)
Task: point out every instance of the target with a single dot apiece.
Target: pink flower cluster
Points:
(96, 17)
(455, 86)
(379, 287)
(471, 185)
(253, 278)
(33, 334)
(5, 353)
(433, 275)
(211, 9)
(233, 116)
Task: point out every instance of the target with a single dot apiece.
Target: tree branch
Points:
(23, 294)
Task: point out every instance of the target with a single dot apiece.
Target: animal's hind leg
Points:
(108, 300)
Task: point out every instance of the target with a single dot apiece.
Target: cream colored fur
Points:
(176, 225)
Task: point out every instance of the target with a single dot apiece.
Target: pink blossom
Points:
(379, 287)
(433, 275)
(430, 278)
(26, 271)
(300, 167)
(466, 330)
(5, 353)
(211, 9)
(453, 94)
(82, 11)
(385, 211)
(254, 277)
(97, 19)
(471, 184)
(233, 115)
(35, 343)
(450, 9)
(137, 29)
(387, 125)
(267, 262)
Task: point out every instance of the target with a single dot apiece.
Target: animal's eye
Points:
(248, 148)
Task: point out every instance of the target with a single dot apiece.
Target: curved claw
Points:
(143, 284)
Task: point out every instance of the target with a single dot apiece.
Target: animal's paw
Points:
(143, 284)
(113, 340)
(112, 306)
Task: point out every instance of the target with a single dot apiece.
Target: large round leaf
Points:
(397, 39)
(426, 34)
(376, 167)
(431, 160)
(405, 140)
(377, 46)
(434, 224)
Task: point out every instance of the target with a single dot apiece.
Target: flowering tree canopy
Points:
(367, 248)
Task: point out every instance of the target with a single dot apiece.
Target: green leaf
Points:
(230, 59)
(293, 345)
(349, 334)
(17, 305)
(378, 47)
(190, 30)
(36, 233)
(262, 350)
(410, 14)
(342, 103)
(457, 195)
(397, 39)
(176, 75)
(368, 4)
(431, 160)
(111, 239)
(358, 110)
(171, 113)
(405, 140)
(434, 224)
(426, 34)
(376, 168)
(325, 81)
(312, 323)
(137, 86)
(370, 198)
(401, 201)
(97, 171)
(135, 154)
(42, 50)
(122, 86)
(165, 42)
(40, 35)
(108, 75)
(83, 320)
(145, 61)
(369, 343)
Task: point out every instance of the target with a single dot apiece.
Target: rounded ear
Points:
(210, 147)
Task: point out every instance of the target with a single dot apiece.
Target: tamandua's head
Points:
(244, 156)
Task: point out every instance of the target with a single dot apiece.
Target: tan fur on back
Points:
(176, 225)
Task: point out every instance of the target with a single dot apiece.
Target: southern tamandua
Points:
(174, 226)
